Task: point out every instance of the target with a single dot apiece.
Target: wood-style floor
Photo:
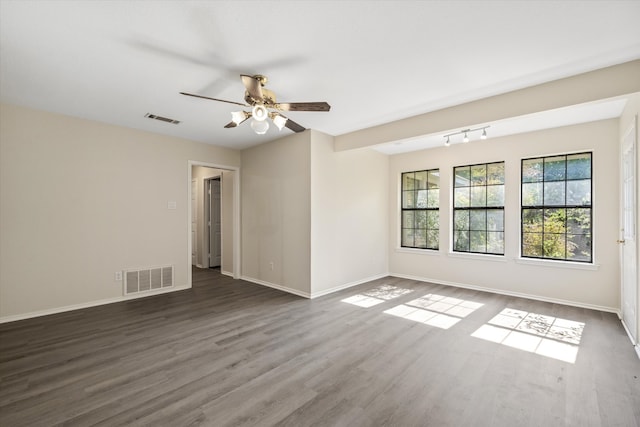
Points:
(391, 352)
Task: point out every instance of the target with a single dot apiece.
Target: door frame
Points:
(235, 216)
(193, 229)
(208, 216)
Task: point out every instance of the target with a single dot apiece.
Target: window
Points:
(421, 209)
(478, 209)
(556, 207)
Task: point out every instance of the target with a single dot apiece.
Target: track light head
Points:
(466, 137)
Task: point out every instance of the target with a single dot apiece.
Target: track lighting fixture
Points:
(465, 132)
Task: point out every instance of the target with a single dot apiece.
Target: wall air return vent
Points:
(162, 119)
(147, 279)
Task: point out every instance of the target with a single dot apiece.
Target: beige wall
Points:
(276, 216)
(546, 280)
(349, 215)
(80, 200)
(318, 215)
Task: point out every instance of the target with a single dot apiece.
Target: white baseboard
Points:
(636, 347)
(226, 273)
(278, 287)
(16, 317)
(315, 294)
(347, 285)
(509, 293)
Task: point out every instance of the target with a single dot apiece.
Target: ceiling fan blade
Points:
(293, 125)
(303, 106)
(253, 86)
(213, 99)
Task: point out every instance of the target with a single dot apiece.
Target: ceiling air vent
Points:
(162, 119)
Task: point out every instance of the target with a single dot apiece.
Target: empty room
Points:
(319, 213)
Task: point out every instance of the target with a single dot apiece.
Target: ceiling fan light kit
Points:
(263, 103)
(465, 132)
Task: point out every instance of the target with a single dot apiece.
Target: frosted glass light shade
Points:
(238, 117)
(279, 121)
(260, 126)
(260, 112)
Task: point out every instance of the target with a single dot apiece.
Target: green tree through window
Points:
(556, 207)
(478, 208)
(421, 209)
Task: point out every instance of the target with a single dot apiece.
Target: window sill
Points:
(481, 257)
(558, 264)
(431, 252)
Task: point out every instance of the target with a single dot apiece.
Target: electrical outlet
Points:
(118, 276)
(271, 265)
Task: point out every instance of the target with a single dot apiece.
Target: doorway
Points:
(628, 242)
(226, 181)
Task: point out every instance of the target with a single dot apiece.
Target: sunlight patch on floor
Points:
(536, 333)
(435, 310)
(377, 296)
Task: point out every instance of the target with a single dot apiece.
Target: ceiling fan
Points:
(264, 105)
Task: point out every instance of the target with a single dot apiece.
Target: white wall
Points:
(546, 280)
(349, 215)
(276, 215)
(80, 200)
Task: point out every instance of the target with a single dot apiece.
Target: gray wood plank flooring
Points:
(391, 352)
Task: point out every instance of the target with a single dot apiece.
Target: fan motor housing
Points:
(268, 98)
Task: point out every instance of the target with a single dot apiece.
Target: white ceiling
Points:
(373, 61)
